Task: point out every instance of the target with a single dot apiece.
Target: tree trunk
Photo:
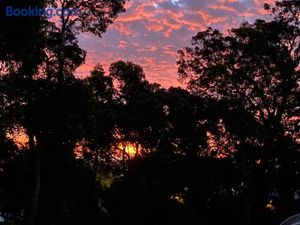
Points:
(34, 207)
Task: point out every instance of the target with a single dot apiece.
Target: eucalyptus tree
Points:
(254, 70)
(37, 47)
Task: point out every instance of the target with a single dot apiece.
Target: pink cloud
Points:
(151, 32)
(122, 44)
(222, 7)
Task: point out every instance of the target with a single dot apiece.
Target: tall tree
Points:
(255, 67)
(47, 49)
(77, 17)
(21, 39)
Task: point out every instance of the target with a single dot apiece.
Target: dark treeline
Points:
(223, 151)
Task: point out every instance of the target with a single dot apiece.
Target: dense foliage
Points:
(225, 150)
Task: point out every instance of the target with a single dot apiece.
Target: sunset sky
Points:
(150, 32)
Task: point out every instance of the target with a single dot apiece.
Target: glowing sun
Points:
(130, 150)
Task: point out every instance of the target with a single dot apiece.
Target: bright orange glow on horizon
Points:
(130, 150)
(127, 149)
(19, 137)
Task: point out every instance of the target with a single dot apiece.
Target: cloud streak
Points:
(151, 31)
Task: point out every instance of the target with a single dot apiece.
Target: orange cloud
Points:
(228, 1)
(122, 44)
(151, 31)
(209, 19)
(122, 28)
(222, 7)
(148, 49)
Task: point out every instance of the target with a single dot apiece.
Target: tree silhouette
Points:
(94, 17)
(225, 150)
(38, 105)
(255, 69)
(21, 40)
